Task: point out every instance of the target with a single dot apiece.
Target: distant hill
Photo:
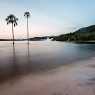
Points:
(38, 38)
(31, 39)
(87, 29)
(83, 34)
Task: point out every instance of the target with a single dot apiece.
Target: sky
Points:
(48, 17)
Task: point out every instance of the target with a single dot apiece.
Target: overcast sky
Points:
(48, 17)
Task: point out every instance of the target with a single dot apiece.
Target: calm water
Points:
(40, 56)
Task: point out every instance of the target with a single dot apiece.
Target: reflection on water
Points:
(23, 58)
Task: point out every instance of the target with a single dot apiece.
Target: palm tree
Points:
(11, 19)
(27, 15)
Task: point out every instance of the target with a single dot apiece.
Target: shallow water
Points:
(40, 56)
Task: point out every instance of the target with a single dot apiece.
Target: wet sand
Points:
(71, 79)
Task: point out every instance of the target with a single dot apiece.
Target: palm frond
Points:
(27, 14)
(11, 19)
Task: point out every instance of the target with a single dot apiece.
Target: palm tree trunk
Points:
(27, 31)
(13, 33)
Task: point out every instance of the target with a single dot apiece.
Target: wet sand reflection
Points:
(18, 65)
(38, 57)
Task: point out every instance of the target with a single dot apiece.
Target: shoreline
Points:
(71, 79)
(77, 42)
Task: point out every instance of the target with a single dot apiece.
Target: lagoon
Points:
(40, 56)
(47, 68)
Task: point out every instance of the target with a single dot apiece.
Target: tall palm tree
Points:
(27, 15)
(11, 19)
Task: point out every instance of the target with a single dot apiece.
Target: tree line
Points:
(81, 35)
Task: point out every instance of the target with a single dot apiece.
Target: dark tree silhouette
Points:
(11, 19)
(27, 15)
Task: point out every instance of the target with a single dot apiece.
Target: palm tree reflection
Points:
(14, 63)
(28, 58)
(14, 55)
(28, 55)
(20, 67)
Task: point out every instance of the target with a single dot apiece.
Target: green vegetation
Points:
(82, 35)
(11, 19)
(27, 15)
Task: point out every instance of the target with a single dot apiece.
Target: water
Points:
(40, 56)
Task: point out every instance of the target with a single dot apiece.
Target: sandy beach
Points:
(72, 79)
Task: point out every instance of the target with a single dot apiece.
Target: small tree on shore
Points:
(11, 19)
(27, 15)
